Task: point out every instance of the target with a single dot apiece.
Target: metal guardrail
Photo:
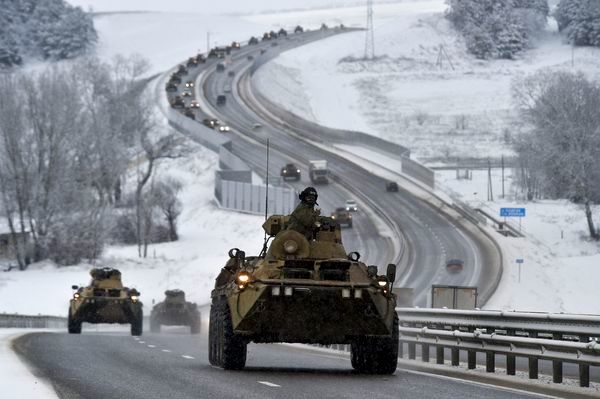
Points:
(24, 321)
(560, 338)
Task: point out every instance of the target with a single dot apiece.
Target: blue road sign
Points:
(520, 261)
(512, 212)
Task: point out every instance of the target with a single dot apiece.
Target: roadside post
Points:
(520, 261)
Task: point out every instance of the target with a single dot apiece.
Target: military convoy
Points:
(175, 311)
(304, 291)
(105, 300)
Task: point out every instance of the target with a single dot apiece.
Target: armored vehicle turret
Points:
(305, 291)
(175, 311)
(105, 300)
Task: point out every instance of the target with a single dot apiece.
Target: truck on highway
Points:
(318, 172)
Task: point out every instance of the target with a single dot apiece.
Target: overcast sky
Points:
(210, 7)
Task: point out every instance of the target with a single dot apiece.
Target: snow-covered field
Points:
(555, 276)
(424, 91)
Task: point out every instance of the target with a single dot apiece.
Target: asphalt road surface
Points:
(174, 364)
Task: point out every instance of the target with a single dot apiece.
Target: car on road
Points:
(220, 67)
(186, 93)
(351, 206)
(231, 74)
(210, 122)
(105, 300)
(195, 104)
(170, 86)
(455, 265)
(342, 216)
(290, 171)
(189, 83)
(391, 187)
(224, 129)
(221, 99)
(256, 126)
(227, 89)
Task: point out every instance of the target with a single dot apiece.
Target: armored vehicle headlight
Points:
(358, 293)
(297, 170)
(243, 278)
(345, 292)
(288, 291)
(276, 291)
(76, 295)
(134, 298)
(382, 283)
(290, 246)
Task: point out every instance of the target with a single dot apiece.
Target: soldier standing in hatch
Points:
(304, 217)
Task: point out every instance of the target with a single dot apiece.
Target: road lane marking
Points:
(166, 350)
(187, 357)
(142, 342)
(151, 346)
(269, 384)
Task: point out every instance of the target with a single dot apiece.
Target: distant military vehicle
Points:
(282, 32)
(181, 70)
(290, 171)
(221, 99)
(175, 78)
(189, 113)
(192, 62)
(170, 87)
(105, 300)
(235, 45)
(266, 36)
(175, 311)
(304, 291)
(177, 102)
(220, 67)
(298, 29)
(253, 40)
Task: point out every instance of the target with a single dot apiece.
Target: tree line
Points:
(79, 145)
(43, 29)
(504, 28)
(560, 153)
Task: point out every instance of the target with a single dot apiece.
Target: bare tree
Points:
(165, 198)
(563, 146)
(166, 147)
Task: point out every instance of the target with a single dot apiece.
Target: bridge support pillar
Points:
(425, 353)
(439, 355)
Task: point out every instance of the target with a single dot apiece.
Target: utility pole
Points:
(207, 42)
(502, 176)
(490, 192)
(370, 38)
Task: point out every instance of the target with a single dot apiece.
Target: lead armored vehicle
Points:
(304, 291)
(175, 311)
(105, 300)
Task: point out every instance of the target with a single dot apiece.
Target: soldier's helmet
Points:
(309, 196)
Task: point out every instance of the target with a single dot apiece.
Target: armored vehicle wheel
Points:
(375, 355)
(137, 323)
(154, 325)
(195, 326)
(74, 325)
(213, 326)
(230, 348)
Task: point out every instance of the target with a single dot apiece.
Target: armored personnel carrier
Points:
(105, 300)
(304, 291)
(175, 311)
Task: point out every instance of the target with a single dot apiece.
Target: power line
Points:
(370, 38)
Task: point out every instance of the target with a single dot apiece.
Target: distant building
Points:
(7, 247)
